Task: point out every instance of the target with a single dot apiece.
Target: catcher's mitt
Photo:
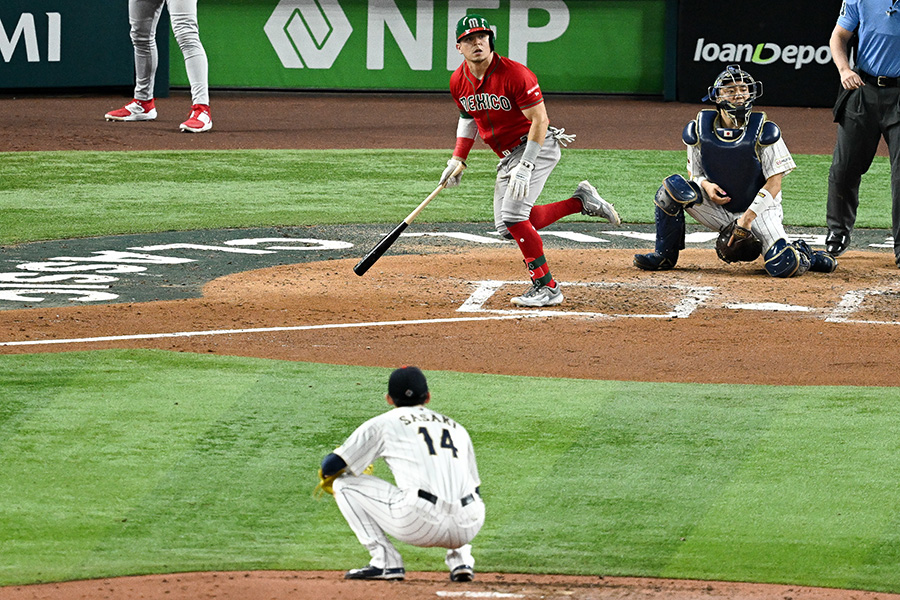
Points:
(746, 247)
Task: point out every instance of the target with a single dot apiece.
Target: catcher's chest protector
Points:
(729, 157)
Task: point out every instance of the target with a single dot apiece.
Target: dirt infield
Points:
(285, 120)
(329, 585)
(618, 323)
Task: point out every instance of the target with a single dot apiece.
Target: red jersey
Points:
(497, 101)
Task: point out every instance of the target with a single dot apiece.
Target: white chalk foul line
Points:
(444, 594)
(182, 334)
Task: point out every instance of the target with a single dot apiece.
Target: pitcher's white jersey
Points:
(435, 502)
(424, 450)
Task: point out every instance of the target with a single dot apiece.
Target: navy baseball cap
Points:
(407, 386)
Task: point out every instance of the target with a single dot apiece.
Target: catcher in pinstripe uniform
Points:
(736, 162)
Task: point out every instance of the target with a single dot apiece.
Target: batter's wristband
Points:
(532, 149)
(463, 145)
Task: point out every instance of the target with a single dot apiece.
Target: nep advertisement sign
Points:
(598, 46)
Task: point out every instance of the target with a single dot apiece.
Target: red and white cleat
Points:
(199, 121)
(136, 110)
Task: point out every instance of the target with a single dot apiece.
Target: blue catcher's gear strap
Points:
(786, 260)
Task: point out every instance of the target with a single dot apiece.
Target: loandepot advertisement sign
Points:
(790, 56)
(762, 53)
(573, 45)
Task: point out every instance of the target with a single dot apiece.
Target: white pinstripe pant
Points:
(768, 227)
(373, 507)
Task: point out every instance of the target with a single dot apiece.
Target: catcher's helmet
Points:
(734, 92)
(473, 23)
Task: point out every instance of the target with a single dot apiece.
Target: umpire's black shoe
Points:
(836, 243)
(654, 262)
(462, 573)
(370, 572)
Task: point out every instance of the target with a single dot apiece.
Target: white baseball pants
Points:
(373, 508)
(144, 18)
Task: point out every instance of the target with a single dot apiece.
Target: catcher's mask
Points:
(734, 92)
(473, 23)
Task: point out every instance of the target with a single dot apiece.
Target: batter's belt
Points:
(522, 141)
(465, 500)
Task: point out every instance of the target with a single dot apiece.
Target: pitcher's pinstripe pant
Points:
(375, 508)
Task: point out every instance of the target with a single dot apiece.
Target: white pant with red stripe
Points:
(373, 508)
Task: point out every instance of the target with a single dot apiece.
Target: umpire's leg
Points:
(858, 136)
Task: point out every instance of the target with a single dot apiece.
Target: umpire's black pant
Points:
(863, 116)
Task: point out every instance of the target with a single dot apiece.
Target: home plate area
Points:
(615, 300)
(594, 299)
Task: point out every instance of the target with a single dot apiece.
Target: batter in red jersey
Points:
(500, 100)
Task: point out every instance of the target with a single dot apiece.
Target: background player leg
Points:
(143, 16)
(187, 33)
(512, 217)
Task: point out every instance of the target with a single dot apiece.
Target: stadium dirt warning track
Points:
(450, 310)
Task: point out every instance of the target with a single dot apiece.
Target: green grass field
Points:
(58, 195)
(124, 462)
(127, 462)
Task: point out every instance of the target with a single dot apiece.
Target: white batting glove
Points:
(562, 137)
(448, 181)
(520, 180)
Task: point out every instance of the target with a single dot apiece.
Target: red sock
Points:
(532, 247)
(544, 215)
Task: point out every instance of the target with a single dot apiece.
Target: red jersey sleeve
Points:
(528, 91)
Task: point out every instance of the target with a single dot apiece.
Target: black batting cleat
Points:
(462, 573)
(370, 572)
